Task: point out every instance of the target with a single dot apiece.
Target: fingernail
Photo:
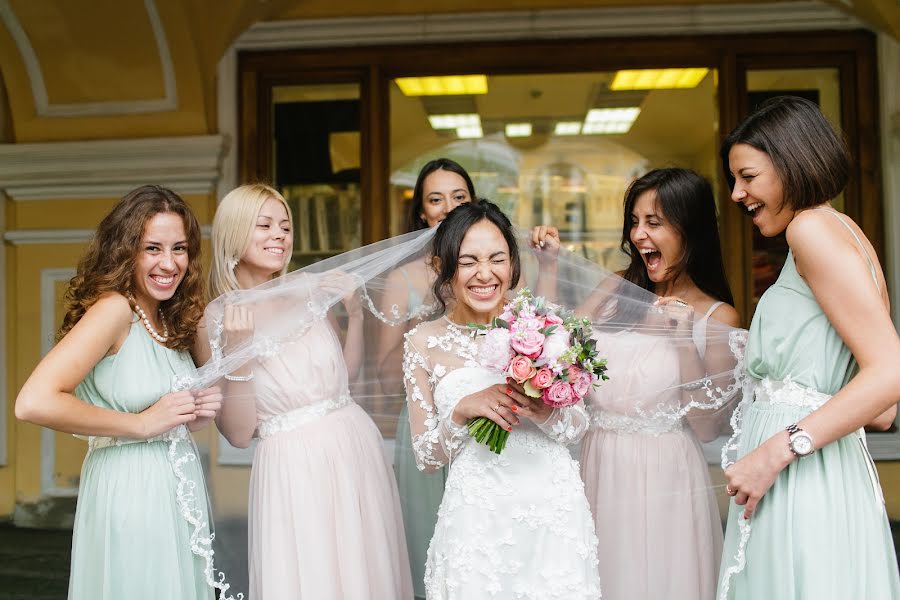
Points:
(509, 428)
(515, 408)
(508, 392)
(542, 244)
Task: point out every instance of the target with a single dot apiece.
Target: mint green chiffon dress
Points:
(131, 539)
(420, 493)
(821, 531)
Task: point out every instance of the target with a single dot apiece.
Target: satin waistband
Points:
(97, 442)
(787, 393)
(610, 421)
(301, 416)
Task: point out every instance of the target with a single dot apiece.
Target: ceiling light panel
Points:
(518, 129)
(658, 79)
(446, 85)
(469, 133)
(567, 128)
(609, 120)
(454, 121)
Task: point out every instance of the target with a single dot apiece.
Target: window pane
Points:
(821, 86)
(558, 149)
(317, 166)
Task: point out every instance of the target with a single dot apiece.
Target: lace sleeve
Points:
(434, 441)
(567, 425)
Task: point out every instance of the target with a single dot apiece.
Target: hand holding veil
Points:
(667, 368)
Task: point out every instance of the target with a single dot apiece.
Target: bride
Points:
(514, 525)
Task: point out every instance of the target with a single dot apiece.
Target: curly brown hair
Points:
(108, 264)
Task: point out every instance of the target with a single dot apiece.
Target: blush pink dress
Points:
(646, 478)
(324, 521)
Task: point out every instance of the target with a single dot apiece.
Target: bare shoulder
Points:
(113, 307)
(727, 315)
(814, 227)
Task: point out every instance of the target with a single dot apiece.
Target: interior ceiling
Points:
(545, 99)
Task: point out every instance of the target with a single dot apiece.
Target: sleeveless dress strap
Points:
(699, 331)
(711, 310)
(862, 247)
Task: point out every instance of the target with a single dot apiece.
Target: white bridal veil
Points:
(670, 369)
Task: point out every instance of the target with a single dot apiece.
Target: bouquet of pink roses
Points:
(545, 349)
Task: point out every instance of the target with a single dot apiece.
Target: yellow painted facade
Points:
(72, 50)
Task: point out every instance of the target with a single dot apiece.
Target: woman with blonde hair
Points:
(324, 515)
(131, 316)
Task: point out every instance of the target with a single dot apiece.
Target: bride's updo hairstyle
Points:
(449, 238)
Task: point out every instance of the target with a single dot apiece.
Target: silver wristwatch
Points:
(800, 442)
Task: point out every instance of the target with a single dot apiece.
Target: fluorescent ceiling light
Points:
(518, 129)
(454, 121)
(568, 128)
(609, 120)
(448, 85)
(658, 79)
(611, 127)
(469, 133)
(609, 115)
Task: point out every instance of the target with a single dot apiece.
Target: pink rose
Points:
(560, 394)
(552, 319)
(529, 342)
(521, 369)
(542, 379)
(574, 373)
(582, 385)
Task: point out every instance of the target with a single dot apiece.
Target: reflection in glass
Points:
(317, 166)
(556, 149)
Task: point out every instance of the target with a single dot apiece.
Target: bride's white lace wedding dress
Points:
(514, 525)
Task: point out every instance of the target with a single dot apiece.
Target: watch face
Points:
(802, 444)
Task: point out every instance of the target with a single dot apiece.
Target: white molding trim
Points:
(49, 277)
(32, 237)
(42, 104)
(547, 24)
(110, 168)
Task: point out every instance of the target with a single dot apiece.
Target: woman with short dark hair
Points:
(808, 517)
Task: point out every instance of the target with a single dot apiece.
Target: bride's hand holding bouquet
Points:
(547, 352)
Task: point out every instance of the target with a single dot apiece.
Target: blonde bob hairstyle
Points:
(232, 231)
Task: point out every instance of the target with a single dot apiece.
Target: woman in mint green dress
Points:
(808, 518)
(441, 186)
(132, 311)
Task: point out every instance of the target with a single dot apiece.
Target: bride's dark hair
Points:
(449, 238)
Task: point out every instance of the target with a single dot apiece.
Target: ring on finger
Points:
(730, 491)
(681, 303)
(496, 409)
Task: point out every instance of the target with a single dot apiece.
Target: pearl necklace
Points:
(162, 339)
